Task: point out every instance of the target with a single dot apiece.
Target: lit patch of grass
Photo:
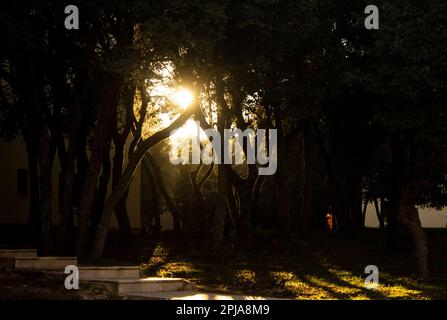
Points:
(332, 288)
(322, 269)
(300, 289)
(178, 270)
(245, 277)
(399, 292)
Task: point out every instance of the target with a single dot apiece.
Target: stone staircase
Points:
(138, 286)
(44, 263)
(21, 253)
(119, 280)
(124, 281)
(101, 273)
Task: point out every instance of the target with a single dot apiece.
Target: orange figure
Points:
(329, 221)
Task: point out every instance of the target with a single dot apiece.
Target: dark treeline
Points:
(360, 114)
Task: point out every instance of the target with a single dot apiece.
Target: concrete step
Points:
(142, 285)
(44, 263)
(28, 253)
(115, 272)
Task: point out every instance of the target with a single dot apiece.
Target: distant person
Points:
(329, 221)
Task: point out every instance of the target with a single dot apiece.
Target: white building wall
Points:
(14, 208)
(430, 218)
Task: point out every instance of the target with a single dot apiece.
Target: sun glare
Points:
(183, 98)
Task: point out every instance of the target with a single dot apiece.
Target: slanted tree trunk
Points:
(103, 185)
(197, 186)
(134, 161)
(120, 210)
(233, 206)
(150, 162)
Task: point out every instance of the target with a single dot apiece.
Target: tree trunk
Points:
(379, 213)
(280, 180)
(120, 210)
(307, 186)
(256, 196)
(45, 190)
(218, 221)
(150, 162)
(34, 211)
(408, 219)
(155, 216)
(145, 201)
(245, 207)
(134, 161)
(103, 185)
(66, 215)
(103, 131)
(357, 221)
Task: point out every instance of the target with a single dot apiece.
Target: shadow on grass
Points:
(320, 267)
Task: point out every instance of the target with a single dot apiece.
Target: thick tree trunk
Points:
(34, 211)
(103, 131)
(408, 219)
(103, 184)
(120, 210)
(32, 102)
(404, 194)
(307, 186)
(66, 215)
(122, 218)
(45, 191)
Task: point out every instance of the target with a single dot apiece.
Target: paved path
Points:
(197, 295)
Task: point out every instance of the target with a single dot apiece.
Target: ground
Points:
(44, 286)
(320, 266)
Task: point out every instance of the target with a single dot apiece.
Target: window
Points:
(22, 183)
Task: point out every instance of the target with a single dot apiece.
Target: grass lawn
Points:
(322, 266)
